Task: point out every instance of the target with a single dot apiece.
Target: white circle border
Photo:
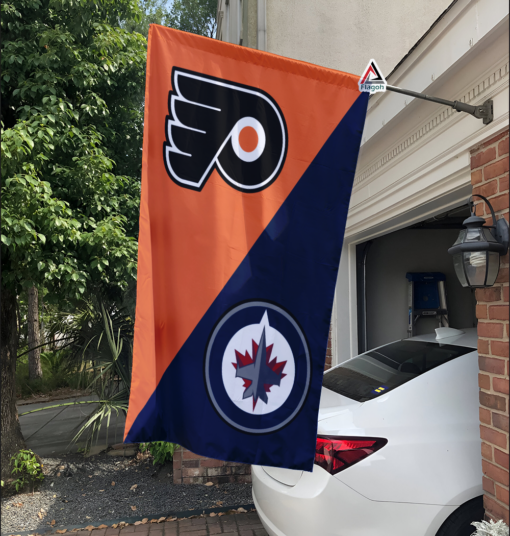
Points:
(243, 155)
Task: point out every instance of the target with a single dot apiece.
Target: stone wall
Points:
(489, 176)
(190, 468)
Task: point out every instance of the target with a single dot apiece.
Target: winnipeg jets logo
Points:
(217, 124)
(257, 367)
(258, 372)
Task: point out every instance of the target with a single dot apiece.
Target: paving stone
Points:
(193, 530)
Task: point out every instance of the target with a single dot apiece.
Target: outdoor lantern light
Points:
(477, 249)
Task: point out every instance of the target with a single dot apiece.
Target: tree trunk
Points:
(12, 439)
(34, 339)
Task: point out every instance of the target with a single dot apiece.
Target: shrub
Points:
(26, 468)
(161, 451)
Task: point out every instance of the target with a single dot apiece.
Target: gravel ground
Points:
(102, 488)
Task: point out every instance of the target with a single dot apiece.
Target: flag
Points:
(247, 171)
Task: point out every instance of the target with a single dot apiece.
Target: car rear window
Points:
(369, 375)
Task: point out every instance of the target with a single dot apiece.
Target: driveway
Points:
(50, 432)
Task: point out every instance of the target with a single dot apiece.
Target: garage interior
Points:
(382, 287)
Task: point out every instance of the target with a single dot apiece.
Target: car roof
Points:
(467, 337)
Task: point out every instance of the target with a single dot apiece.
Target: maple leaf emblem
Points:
(259, 373)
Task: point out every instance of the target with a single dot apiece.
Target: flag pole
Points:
(484, 111)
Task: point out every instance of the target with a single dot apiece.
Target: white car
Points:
(398, 448)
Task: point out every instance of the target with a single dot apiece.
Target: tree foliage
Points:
(72, 82)
(195, 16)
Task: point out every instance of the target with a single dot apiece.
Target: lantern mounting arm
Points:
(484, 111)
(472, 209)
(499, 228)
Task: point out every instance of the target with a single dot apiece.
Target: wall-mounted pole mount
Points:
(484, 111)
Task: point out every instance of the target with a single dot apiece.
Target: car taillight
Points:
(334, 454)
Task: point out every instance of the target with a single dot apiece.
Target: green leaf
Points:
(42, 238)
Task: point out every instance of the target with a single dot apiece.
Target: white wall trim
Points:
(403, 148)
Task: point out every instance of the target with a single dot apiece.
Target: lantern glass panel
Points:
(489, 236)
(458, 264)
(474, 235)
(461, 237)
(493, 269)
(475, 264)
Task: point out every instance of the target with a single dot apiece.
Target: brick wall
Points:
(329, 352)
(191, 468)
(489, 176)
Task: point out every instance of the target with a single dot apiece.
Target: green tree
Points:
(195, 16)
(151, 12)
(72, 114)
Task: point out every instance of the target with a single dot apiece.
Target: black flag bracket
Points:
(484, 111)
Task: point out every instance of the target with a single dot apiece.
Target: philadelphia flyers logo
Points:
(217, 124)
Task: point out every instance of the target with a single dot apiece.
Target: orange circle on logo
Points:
(248, 139)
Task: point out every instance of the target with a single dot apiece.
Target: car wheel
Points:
(459, 523)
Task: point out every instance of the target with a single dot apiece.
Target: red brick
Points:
(485, 416)
(191, 463)
(502, 276)
(484, 382)
(483, 157)
(498, 312)
(503, 147)
(483, 346)
(493, 436)
(495, 473)
(506, 293)
(476, 177)
(490, 330)
(193, 471)
(488, 485)
(502, 494)
(188, 455)
(486, 189)
(503, 184)
(500, 385)
(499, 348)
(487, 451)
(495, 170)
(490, 364)
(495, 509)
(493, 401)
(491, 294)
(481, 312)
(493, 140)
(501, 458)
(500, 421)
(212, 463)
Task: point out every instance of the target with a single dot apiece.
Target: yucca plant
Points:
(110, 369)
(99, 344)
